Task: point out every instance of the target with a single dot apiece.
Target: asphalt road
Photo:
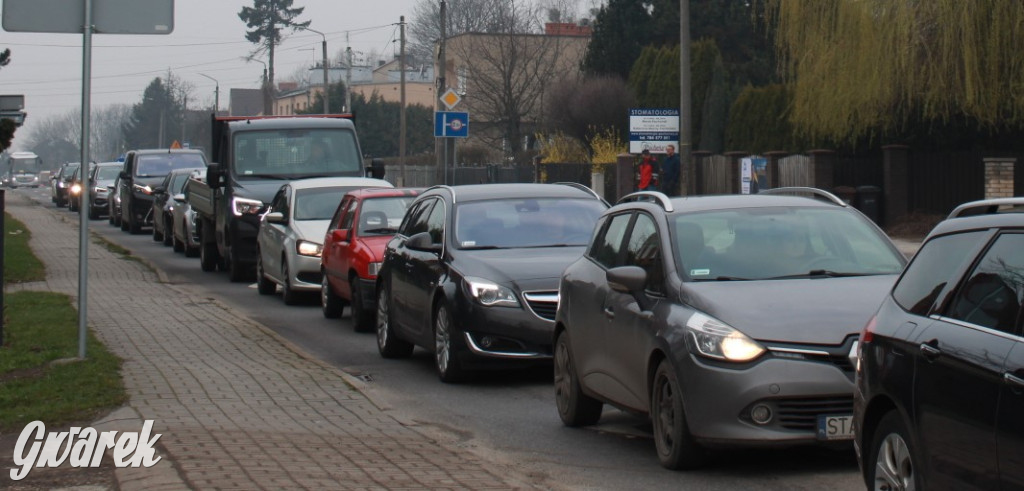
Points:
(509, 416)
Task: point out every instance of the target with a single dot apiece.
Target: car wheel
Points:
(177, 245)
(237, 270)
(191, 251)
(676, 447)
(445, 352)
(168, 231)
(134, 227)
(263, 284)
(110, 217)
(574, 407)
(209, 257)
(892, 456)
(331, 304)
(362, 318)
(123, 222)
(288, 294)
(157, 235)
(387, 343)
(94, 214)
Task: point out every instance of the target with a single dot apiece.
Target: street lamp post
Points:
(267, 109)
(216, 93)
(326, 104)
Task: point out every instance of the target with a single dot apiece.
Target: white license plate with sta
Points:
(835, 427)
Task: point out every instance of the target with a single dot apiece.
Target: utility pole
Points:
(442, 145)
(685, 111)
(348, 76)
(216, 93)
(401, 119)
(326, 104)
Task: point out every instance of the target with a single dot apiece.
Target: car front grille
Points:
(802, 414)
(543, 304)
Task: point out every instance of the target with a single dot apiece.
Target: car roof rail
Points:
(584, 188)
(820, 193)
(985, 206)
(442, 186)
(654, 196)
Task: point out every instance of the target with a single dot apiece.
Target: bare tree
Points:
(504, 75)
(584, 107)
(463, 16)
(56, 138)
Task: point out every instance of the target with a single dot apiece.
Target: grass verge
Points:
(20, 265)
(39, 328)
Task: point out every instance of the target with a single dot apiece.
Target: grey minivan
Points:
(727, 320)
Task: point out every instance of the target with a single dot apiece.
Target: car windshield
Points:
(382, 216)
(70, 171)
(510, 223)
(177, 183)
(108, 172)
(296, 153)
(158, 165)
(778, 243)
(319, 203)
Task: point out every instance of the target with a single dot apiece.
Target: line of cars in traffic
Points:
(726, 320)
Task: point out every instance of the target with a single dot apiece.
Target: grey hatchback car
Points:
(727, 320)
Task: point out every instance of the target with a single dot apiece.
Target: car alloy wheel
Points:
(894, 463)
(574, 407)
(676, 448)
(288, 294)
(445, 361)
(168, 232)
(331, 304)
(387, 343)
(263, 284)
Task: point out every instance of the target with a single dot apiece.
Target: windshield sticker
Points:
(700, 272)
(468, 243)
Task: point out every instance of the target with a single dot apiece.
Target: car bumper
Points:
(719, 402)
(306, 275)
(495, 334)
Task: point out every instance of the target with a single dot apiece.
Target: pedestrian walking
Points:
(670, 172)
(647, 169)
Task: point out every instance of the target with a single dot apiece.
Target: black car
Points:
(472, 273)
(62, 183)
(143, 170)
(164, 203)
(940, 378)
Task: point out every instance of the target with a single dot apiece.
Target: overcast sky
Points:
(208, 38)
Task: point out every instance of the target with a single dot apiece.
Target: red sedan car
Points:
(353, 249)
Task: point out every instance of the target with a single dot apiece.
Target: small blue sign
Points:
(451, 124)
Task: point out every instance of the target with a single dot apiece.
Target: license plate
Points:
(835, 427)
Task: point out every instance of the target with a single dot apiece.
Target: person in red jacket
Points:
(647, 170)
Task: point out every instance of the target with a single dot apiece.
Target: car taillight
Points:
(868, 333)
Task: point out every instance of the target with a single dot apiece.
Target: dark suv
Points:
(144, 170)
(940, 379)
(727, 320)
(472, 273)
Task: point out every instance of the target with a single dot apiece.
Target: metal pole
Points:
(401, 119)
(216, 92)
(3, 233)
(685, 111)
(441, 146)
(83, 237)
(326, 92)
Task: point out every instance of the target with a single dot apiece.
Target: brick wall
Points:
(999, 177)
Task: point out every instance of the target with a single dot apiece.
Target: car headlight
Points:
(490, 293)
(715, 339)
(99, 190)
(373, 269)
(246, 206)
(142, 189)
(76, 188)
(60, 184)
(307, 248)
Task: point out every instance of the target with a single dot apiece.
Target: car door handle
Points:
(1013, 380)
(930, 352)
(609, 312)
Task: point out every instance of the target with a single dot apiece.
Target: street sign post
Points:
(653, 129)
(451, 124)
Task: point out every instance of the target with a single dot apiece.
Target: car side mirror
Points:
(214, 175)
(627, 279)
(423, 242)
(123, 175)
(339, 235)
(179, 198)
(275, 217)
(159, 190)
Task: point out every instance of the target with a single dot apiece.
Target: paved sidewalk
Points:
(238, 406)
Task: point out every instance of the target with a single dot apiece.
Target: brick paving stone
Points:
(237, 407)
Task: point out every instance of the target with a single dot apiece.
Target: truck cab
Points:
(252, 158)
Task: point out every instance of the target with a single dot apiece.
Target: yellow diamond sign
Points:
(450, 99)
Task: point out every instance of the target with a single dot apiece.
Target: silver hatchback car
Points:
(291, 233)
(728, 320)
